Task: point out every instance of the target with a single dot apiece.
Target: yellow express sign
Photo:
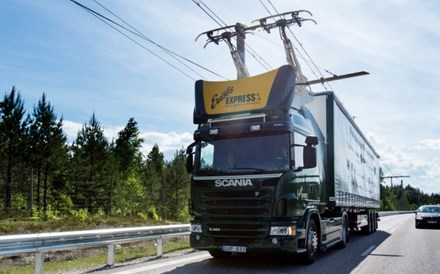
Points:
(238, 95)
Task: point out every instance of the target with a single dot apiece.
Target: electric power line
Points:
(143, 36)
(307, 60)
(248, 49)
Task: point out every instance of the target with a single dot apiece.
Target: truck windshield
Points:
(256, 154)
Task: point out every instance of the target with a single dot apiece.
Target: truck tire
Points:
(219, 254)
(344, 233)
(312, 243)
(366, 230)
(375, 225)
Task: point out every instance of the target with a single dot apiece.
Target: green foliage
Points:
(64, 204)
(12, 142)
(152, 214)
(42, 176)
(128, 196)
(398, 197)
(80, 215)
(19, 202)
(127, 149)
(91, 167)
(48, 149)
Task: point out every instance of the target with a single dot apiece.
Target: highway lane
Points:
(396, 247)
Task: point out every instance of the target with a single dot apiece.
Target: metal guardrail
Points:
(43, 242)
(40, 243)
(388, 213)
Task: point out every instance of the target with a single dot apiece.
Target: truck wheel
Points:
(366, 230)
(219, 254)
(375, 225)
(344, 234)
(312, 243)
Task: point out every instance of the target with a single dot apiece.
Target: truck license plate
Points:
(233, 248)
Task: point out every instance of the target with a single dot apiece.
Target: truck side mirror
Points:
(189, 158)
(309, 155)
(311, 140)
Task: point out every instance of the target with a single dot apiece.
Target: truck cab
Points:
(255, 172)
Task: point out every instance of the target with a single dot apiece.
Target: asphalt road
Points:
(396, 247)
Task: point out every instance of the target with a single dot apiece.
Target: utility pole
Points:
(394, 176)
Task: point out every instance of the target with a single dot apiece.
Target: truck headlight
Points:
(282, 230)
(196, 228)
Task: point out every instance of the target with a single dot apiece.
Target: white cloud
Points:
(168, 143)
(432, 144)
(397, 160)
(71, 129)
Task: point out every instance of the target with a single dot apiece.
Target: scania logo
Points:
(233, 182)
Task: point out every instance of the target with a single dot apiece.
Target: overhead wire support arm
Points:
(282, 22)
(225, 34)
(336, 77)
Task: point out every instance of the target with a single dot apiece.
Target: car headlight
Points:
(419, 217)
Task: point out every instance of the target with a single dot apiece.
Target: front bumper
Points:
(427, 221)
(271, 244)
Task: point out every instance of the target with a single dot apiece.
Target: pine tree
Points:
(48, 148)
(177, 183)
(91, 167)
(153, 180)
(128, 159)
(127, 148)
(12, 134)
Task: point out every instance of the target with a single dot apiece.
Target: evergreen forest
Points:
(44, 176)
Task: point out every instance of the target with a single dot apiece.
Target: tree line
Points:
(398, 197)
(43, 175)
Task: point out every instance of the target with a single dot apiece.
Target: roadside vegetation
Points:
(48, 184)
(45, 177)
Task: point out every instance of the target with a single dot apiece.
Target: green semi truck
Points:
(277, 168)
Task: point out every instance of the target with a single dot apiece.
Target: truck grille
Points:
(236, 214)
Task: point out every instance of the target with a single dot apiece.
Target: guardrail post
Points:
(39, 260)
(111, 254)
(159, 247)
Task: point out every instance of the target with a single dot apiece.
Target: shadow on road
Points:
(333, 261)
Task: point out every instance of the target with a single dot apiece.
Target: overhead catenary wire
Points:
(142, 35)
(307, 60)
(198, 3)
(248, 49)
(136, 32)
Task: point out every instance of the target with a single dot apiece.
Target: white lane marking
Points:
(368, 251)
(144, 269)
(401, 224)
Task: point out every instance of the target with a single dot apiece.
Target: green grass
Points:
(23, 226)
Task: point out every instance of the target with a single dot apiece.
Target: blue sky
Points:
(86, 67)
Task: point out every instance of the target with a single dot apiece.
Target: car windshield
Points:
(430, 209)
(256, 154)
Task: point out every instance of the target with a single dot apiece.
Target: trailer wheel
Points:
(367, 230)
(375, 225)
(312, 243)
(344, 233)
